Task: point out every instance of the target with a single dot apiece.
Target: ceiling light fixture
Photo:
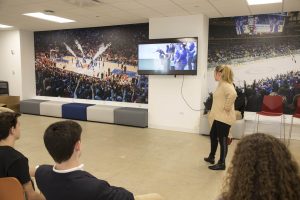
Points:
(49, 17)
(260, 2)
(4, 26)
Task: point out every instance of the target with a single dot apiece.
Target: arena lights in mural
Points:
(91, 63)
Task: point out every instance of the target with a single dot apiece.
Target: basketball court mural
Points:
(91, 63)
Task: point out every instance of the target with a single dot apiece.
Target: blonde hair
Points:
(227, 74)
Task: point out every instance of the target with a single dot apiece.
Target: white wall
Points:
(17, 62)
(166, 108)
(27, 64)
(10, 65)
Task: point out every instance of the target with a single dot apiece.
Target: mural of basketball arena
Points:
(91, 63)
(264, 53)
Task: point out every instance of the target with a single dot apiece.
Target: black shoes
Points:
(210, 160)
(218, 166)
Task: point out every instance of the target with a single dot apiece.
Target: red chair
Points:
(296, 115)
(272, 107)
(11, 189)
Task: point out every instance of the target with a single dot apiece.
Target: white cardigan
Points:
(223, 104)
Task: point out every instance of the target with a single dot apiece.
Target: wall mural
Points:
(91, 63)
(264, 53)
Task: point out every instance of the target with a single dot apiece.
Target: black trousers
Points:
(219, 132)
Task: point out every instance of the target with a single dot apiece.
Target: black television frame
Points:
(169, 72)
(4, 89)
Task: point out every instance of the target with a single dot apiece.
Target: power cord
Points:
(185, 99)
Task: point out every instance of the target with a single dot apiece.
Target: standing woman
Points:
(222, 115)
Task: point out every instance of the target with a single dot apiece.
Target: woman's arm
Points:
(230, 96)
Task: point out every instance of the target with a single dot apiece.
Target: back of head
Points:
(7, 121)
(262, 168)
(60, 139)
(227, 74)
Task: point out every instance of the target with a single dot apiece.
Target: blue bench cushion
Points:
(75, 111)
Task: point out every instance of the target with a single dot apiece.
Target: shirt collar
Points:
(80, 167)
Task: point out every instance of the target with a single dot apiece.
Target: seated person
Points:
(262, 168)
(239, 104)
(12, 162)
(4, 109)
(67, 179)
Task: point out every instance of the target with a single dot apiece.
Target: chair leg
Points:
(280, 127)
(283, 128)
(257, 123)
(282, 123)
(290, 133)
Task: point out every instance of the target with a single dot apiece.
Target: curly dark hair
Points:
(262, 168)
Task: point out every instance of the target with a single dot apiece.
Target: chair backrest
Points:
(298, 106)
(11, 189)
(272, 104)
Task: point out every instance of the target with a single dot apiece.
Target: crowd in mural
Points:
(53, 81)
(250, 95)
(109, 45)
(229, 52)
(286, 85)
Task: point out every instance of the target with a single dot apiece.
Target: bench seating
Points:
(131, 116)
(31, 106)
(87, 112)
(75, 111)
(101, 113)
(51, 108)
(237, 129)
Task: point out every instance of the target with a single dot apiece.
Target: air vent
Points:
(49, 11)
(84, 3)
(96, 1)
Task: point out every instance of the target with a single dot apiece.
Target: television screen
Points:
(168, 56)
(4, 88)
(260, 24)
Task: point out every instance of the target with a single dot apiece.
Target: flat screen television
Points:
(4, 88)
(177, 56)
(260, 24)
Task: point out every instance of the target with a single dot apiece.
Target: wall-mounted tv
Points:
(168, 57)
(4, 88)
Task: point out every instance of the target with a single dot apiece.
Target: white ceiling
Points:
(93, 13)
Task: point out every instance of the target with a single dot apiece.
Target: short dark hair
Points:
(7, 121)
(60, 139)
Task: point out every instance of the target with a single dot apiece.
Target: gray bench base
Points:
(131, 116)
(31, 106)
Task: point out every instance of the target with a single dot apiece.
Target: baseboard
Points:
(173, 128)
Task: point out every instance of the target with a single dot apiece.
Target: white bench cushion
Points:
(238, 129)
(51, 108)
(101, 113)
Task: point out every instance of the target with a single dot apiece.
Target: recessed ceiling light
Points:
(4, 26)
(49, 17)
(259, 2)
